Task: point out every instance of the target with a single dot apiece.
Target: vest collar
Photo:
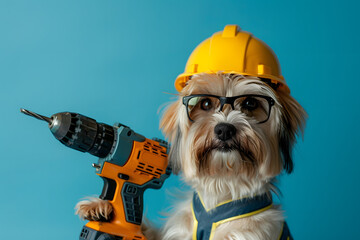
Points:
(207, 220)
(242, 202)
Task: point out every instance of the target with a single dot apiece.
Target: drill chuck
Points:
(79, 132)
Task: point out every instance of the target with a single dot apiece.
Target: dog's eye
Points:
(250, 104)
(206, 104)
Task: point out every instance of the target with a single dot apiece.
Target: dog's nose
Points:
(224, 131)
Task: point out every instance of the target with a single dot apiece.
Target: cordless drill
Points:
(128, 163)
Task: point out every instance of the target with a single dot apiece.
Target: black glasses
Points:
(253, 106)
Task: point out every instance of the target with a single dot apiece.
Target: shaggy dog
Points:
(231, 153)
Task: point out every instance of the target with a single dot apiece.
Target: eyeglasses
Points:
(257, 107)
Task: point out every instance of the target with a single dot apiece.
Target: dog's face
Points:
(249, 136)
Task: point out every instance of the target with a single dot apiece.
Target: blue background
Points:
(115, 61)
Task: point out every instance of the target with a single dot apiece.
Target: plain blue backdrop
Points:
(116, 60)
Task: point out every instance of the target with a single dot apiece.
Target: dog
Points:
(231, 136)
(230, 150)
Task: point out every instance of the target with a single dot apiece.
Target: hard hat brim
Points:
(183, 78)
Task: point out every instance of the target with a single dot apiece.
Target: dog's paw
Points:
(94, 209)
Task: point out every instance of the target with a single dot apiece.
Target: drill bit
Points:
(35, 115)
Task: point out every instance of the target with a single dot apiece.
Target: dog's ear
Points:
(170, 121)
(293, 123)
(170, 126)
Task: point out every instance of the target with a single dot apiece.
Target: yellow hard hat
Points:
(233, 51)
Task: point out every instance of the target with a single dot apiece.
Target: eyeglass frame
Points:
(228, 100)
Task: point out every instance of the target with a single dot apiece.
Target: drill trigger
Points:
(108, 190)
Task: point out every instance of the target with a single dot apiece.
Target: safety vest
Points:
(207, 220)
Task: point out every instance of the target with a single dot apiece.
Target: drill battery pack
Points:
(91, 234)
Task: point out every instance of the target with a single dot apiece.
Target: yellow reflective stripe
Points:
(281, 232)
(202, 202)
(244, 215)
(213, 227)
(195, 222)
(216, 224)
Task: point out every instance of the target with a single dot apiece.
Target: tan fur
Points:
(294, 112)
(169, 120)
(94, 209)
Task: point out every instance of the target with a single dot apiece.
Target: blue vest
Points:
(207, 220)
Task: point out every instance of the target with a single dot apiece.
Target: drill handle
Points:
(132, 195)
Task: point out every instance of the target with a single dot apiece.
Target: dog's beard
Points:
(239, 155)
